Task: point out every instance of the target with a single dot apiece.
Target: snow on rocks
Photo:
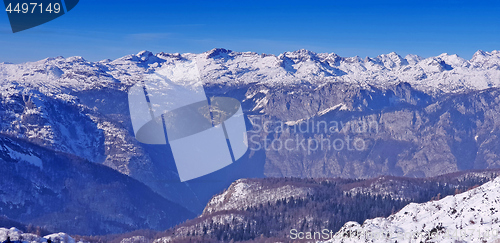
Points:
(472, 216)
(448, 73)
(15, 235)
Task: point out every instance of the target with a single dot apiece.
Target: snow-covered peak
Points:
(249, 193)
(435, 65)
(413, 59)
(219, 53)
(447, 73)
(300, 55)
(392, 60)
(486, 60)
(141, 57)
(472, 216)
(454, 60)
(480, 53)
(60, 237)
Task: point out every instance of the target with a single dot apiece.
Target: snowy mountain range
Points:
(447, 73)
(434, 116)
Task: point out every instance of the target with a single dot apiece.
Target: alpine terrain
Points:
(70, 161)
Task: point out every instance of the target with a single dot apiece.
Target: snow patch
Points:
(32, 159)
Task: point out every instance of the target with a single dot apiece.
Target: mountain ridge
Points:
(66, 193)
(435, 115)
(447, 73)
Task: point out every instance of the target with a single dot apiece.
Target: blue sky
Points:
(103, 29)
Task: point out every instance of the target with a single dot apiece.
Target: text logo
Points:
(26, 14)
(170, 107)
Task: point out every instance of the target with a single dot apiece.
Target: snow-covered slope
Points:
(245, 193)
(472, 216)
(80, 107)
(62, 192)
(15, 235)
(273, 207)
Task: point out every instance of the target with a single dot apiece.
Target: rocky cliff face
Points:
(350, 132)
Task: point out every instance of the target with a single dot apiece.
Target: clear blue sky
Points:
(104, 29)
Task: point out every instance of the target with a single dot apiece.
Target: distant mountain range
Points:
(432, 115)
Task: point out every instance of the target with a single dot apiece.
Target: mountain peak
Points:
(144, 55)
(393, 54)
(479, 53)
(392, 60)
(413, 59)
(304, 52)
(218, 53)
(300, 55)
(74, 59)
